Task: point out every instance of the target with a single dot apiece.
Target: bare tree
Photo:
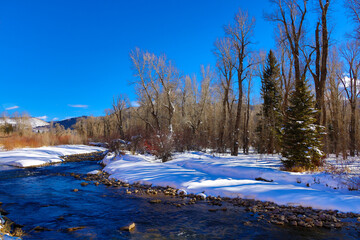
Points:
(321, 49)
(286, 68)
(226, 61)
(195, 100)
(336, 142)
(200, 99)
(240, 34)
(157, 81)
(157, 84)
(107, 124)
(291, 15)
(354, 7)
(119, 105)
(349, 77)
(246, 135)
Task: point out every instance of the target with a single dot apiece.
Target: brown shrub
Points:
(300, 169)
(38, 140)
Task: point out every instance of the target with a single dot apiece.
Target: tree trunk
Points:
(352, 130)
(246, 126)
(235, 148)
(221, 146)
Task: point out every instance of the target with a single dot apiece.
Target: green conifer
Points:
(301, 139)
(270, 120)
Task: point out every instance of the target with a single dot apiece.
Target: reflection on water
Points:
(5, 167)
(41, 197)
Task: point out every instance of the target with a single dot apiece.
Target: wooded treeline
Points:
(309, 90)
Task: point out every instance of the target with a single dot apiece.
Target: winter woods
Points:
(309, 93)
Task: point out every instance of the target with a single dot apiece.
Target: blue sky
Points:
(68, 58)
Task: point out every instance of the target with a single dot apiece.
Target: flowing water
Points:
(42, 197)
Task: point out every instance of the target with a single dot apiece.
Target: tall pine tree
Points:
(301, 139)
(270, 122)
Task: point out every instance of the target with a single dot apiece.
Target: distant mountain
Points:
(34, 122)
(68, 123)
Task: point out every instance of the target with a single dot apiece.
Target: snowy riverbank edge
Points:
(228, 176)
(30, 157)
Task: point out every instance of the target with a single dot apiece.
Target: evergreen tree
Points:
(301, 139)
(270, 121)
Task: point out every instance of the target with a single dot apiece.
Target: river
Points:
(44, 197)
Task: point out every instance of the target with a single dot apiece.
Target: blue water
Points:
(41, 197)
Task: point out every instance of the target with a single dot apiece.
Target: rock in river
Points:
(128, 228)
(3, 212)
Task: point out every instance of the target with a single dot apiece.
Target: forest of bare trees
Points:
(178, 112)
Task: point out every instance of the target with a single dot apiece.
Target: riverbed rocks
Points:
(247, 223)
(94, 156)
(72, 229)
(296, 216)
(41, 229)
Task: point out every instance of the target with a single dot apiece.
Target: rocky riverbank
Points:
(93, 156)
(7, 226)
(269, 212)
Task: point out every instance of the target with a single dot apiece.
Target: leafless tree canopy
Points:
(216, 109)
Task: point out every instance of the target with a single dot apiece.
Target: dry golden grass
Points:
(37, 140)
(18, 232)
(6, 229)
(299, 169)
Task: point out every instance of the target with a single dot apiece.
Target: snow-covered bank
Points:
(8, 237)
(27, 157)
(236, 177)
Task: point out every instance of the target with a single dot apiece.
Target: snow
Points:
(27, 157)
(34, 122)
(229, 176)
(8, 237)
(219, 175)
(94, 172)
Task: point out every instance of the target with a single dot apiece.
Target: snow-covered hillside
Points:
(33, 122)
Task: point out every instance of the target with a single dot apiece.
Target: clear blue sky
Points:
(67, 58)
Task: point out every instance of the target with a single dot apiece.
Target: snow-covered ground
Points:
(242, 176)
(230, 176)
(27, 157)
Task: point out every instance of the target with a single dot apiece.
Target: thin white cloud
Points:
(54, 119)
(42, 117)
(347, 81)
(78, 105)
(12, 108)
(135, 104)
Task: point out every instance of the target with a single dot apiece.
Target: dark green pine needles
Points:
(270, 117)
(301, 137)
